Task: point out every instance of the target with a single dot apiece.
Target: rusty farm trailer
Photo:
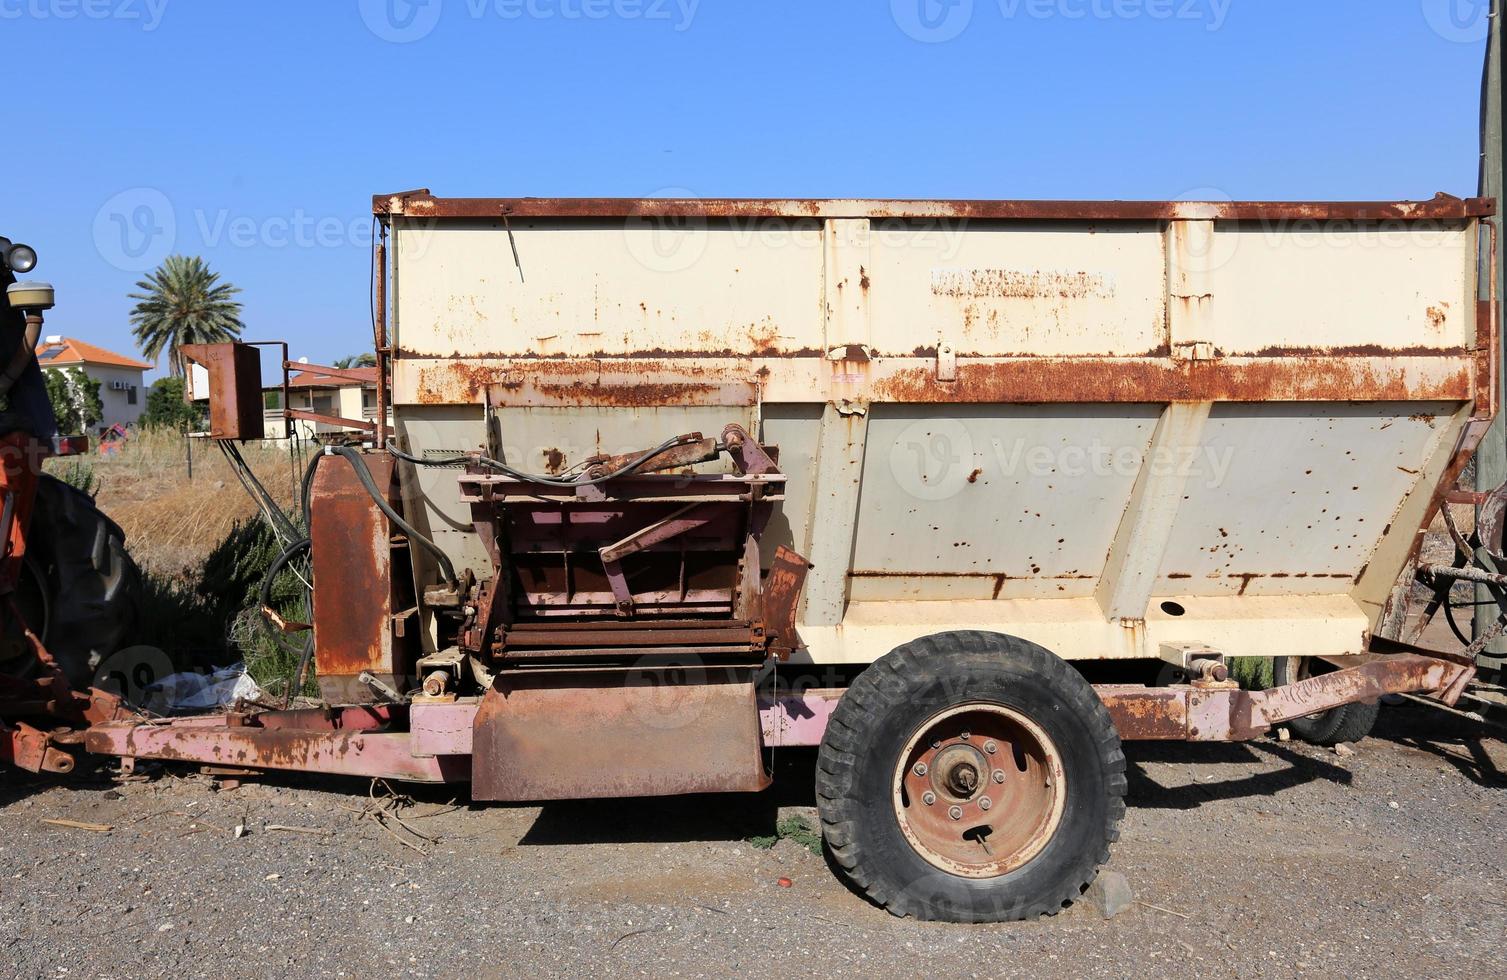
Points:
(963, 493)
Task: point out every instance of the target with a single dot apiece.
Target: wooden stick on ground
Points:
(98, 828)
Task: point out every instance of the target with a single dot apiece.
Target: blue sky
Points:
(255, 133)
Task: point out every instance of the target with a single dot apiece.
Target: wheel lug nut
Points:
(956, 813)
(937, 744)
(928, 797)
(920, 769)
(999, 775)
(984, 803)
(990, 747)
(967, 736)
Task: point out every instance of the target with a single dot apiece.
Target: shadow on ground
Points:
(718, 817)
(1295, 769)
(1455, 739)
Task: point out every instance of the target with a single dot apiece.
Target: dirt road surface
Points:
(1264, 860)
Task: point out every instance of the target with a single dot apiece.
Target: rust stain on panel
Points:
(1133, 380)
(1016, 284)
(1147, 714)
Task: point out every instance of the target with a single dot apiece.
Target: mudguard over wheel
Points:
(971, 777)
(1347, 723)
(90, 589)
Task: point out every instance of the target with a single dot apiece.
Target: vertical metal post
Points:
(379, 327)
(1491, 458)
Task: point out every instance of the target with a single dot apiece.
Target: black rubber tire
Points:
(1347, 723)
(93, 588)
(883, 710)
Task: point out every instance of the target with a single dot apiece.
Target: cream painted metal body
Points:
(1100, 433)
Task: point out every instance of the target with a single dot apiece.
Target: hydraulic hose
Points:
(278, 564)
(552, 481)
(447, 570)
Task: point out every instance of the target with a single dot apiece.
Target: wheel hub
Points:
(957, 769)
(979, 790)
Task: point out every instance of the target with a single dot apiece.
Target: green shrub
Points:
(166, 408)
(214, 617)
(1252, 673)
(77, 473)
(75, 399)
(793, 828)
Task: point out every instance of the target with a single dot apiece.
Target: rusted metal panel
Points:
(352, 557)
(1242, 530)
(783, 587)
(422, 204)
(546, 736)
(236, 409)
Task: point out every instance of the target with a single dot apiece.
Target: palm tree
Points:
(356, 361)
(183, 302)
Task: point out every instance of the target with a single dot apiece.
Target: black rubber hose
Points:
(278, 564)
(306, 493)
(518, 474)
(447, 570)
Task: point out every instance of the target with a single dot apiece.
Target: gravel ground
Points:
(1269, 859)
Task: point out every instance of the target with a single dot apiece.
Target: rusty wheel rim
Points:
(979, 790)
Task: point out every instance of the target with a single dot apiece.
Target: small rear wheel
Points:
(971, 777)
(1346, 723)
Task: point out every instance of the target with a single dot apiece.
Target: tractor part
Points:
(16, 257)
(83, 592)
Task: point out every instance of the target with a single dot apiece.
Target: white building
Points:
(121, 389)
(326, 395)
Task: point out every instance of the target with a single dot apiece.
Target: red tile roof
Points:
(314, 379)
(77, 352)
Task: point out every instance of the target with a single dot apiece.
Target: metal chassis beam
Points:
(432, 742)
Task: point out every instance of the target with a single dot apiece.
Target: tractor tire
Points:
(88, 586)
(970, 777)
(1347, 723)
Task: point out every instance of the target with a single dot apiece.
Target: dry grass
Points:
(173, 522)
